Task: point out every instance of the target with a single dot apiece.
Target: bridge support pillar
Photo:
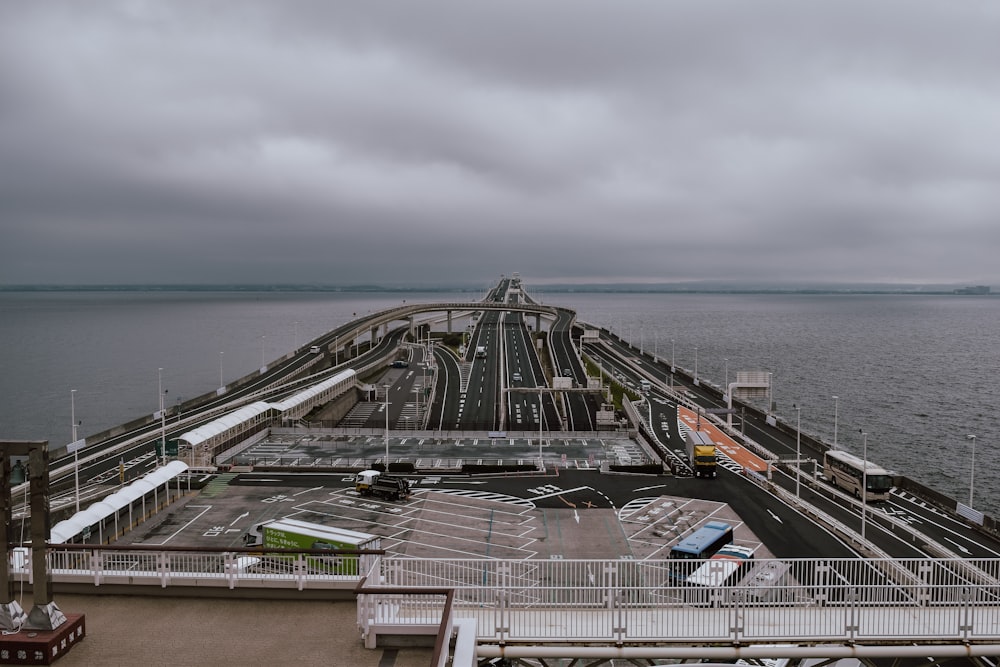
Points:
(538, 322)
(449, 321)
(373, 332)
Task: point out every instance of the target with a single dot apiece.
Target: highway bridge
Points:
(864, 580)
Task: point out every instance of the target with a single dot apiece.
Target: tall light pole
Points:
(262, 352)
(696, 365)
(222, 382)
(76, 447)
(726, 386)
(386, 428)
(864, 482)
(541, 422)
(834, 422)
(672, 348)
(798, 449)
(163, 416)
(972, 474)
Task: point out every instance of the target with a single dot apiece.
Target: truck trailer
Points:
(701, 453)
(376, 483)
(296, 534)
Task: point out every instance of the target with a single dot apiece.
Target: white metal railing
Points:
(243, 568)
(623, 601)
(614, 601)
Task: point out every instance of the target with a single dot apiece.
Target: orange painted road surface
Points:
(723, 442)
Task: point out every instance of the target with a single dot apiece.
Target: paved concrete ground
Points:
(126, 630)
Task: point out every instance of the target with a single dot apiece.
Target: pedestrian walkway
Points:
(218, 485)
(182, 632)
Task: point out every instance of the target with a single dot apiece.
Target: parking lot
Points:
(444, 518)
(429, 451)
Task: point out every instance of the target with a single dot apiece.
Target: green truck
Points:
(295, 534)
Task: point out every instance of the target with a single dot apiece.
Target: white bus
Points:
(847, 471)
(722, 568)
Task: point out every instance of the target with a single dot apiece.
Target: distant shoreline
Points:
(547, 289)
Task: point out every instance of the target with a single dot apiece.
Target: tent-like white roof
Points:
(298, 399)
(224, 423)
(68, 528)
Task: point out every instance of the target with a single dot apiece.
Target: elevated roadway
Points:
(788, 499)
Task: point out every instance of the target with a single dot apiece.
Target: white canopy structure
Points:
(66, 530)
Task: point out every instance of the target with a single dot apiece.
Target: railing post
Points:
(966, 622)
(618, 616)
(852, 629)
(97, 565)
(736, 623)
(299, 571)
(228, 566)
(502, 616)
(163, 567)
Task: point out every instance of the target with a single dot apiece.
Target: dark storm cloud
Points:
(453, 141)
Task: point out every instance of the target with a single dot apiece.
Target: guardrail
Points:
(206, 567)
(619, 602)
(595, 601)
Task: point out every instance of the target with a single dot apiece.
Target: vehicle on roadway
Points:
(701, 453)
(849, 472)
(295, 534)
(388, 487)
(480, 352)
(723, 567)
(699, 545)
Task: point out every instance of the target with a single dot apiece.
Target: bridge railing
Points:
(163, 566)
(770, 601)
(612, 601)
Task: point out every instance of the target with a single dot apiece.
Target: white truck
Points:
(376, 483)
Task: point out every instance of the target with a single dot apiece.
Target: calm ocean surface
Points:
(917, 373)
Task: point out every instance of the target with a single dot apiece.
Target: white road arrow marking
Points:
(960, 547)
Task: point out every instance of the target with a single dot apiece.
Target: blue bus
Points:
(699, 545)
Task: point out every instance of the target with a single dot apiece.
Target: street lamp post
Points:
(672, 348)
(696, 365)
(76, 448)
(834, 422)
(972, 474)
(386, 428)
(864, 482)
(163, 416)
(541, 422)
(222, 381)
(798, 448)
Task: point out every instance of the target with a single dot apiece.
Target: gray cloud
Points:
(450, 141)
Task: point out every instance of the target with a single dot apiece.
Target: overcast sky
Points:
(441, 142)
